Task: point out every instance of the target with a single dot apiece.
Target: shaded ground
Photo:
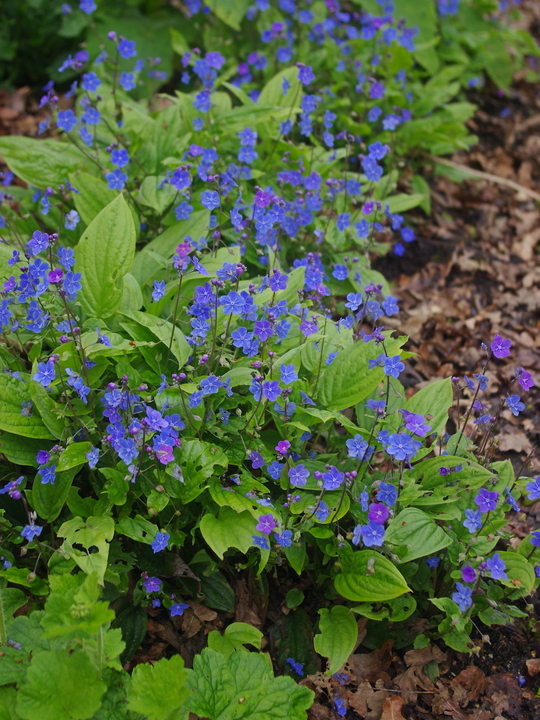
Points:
(474, 272)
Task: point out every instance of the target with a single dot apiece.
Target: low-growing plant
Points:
(198, 388)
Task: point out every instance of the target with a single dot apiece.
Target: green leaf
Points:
(137, 528)
(520, 572)
(158, 198)
(434, 399)
(48, 500)
(146, 265)
(401, 203)
(60, 686)
(419, 534)
(163, 331)
(348, 380)
(296, 556)
(337, 637)
(230, 11)
(158, 690)
(13, 393)
(40, 162)
(218, 594)
(94, 531)
(49, 410)
(235, 636)
(10, 600)
(294, 598)
(242, 687)
(272, 92)
(132, 298)
(93, 195)
(8, 700)
(369, 576)
(103, 256)
(229, 529)
(73, 456)
(21, 452)
(133, 623)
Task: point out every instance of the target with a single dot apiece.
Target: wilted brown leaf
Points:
(533, 666)
(504, 694)
(391, 709)
(471, 681)
(372, 666)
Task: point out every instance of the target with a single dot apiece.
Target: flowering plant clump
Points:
(196, 366)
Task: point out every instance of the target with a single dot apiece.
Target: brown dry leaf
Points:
(318, 712)
(504, 694)
(164, 631)
(247, 609)
(515, 442)
(391, 709)
(413, 681)
(372, 666)
(375, 703)
(533, 666)
(472, 681)
(422, 656)
(359, 699)
(190, 622)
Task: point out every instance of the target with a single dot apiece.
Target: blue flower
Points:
(90, 82)
(261, 542)
(127, 48)
(48, 474)
(372, 534)
(160, 542)
(534, 488)
(357, 447)
(92, 456)
(31, 531)
(178, 609)
(159, 290)
(486, 500)
(66, 120)
(333, 479)
(45, 374)
(496, 567)
(473, 520)
(120, 157)
(116, 179)
(274, 469)
(284, 539)
(210, 199)
(288, 374)
(387, 494)
(392, 366)
(297, 667)
(515, 404)
(462, 597)
(127, 81)
(298, 475)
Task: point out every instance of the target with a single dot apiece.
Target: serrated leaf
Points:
(10, 600)
(60, 686)
(13, 393)
(419, 533)
(337, 637)
(348, 380)
(103, 256)
(242, 687)
(370, 577)
(158, 690)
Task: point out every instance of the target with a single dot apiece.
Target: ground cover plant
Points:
(198, 386)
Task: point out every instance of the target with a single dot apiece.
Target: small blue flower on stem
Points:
(297, 667)
(515, 404)
(284, 539)
(462, 597)
(31, 531)
(387, 494)
(496, 567)
(534, 488)
(473, 520)
(45, 374)
(178, 609)
(486, 500)
(160, 542)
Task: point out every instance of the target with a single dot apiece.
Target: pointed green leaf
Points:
(434, 399)
(230, 11)
(40, 162)
(348, 380)
(73, 456)
(48, 500)
(14, 393)
(369, 576)
(417, 533)
(337, 637)
(103, 256)
(163, 331)
(229, 529)
(92, 197)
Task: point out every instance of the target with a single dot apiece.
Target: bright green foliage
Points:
(104, 255)
(235, 635)
(368, 576)
(159, 690)
(416, 535)
(60, 686)
(242, 686)
(337, 637)
(10, 600)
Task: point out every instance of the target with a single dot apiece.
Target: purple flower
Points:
(271, 390)
(266, 524)
(468, 574)
(496, 567)
(378, 513)
(500, 347)
(283, 447)
(263, 329)
(178, 609)
(160, 542)
(535, 537)
(473, 520)
(152, 584)
(257, 460)
(416, 424)
(524, 378)
(462, 597)
(486, 500)
(298, 475)
(510, 500)
(333, 479)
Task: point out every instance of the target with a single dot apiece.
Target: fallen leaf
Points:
(372, 666)
(533, 666)
(504, 694)
(359, 699)
(391, 709)
(472, 680)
